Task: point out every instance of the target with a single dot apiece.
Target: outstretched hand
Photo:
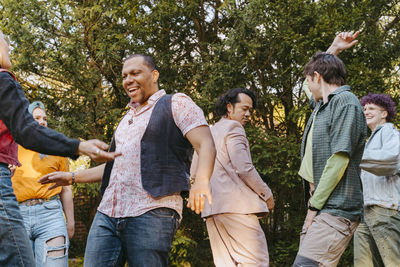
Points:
(96, 150)
(343, 41)
(58, 178)
(197, 195)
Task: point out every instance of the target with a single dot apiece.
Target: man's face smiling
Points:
(138, 80)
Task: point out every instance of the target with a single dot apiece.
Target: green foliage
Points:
(69, 54)
(282, 253)
(191, 245)
(182, 246)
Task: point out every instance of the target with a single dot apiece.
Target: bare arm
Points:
(203, 143)
(91, 175)
(343, 41)
(68, 207)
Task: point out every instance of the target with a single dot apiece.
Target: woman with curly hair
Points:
(377, 239)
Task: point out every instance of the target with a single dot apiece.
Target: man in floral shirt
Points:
(142, 204)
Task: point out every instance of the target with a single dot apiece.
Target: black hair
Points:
(148, 60)
(232, 97)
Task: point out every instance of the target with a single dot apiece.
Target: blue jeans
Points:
(377, 240)
(15, 249)
(142, 241)
(44, 222)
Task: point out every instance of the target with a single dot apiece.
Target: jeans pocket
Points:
(341, 233)
(164, 213)
(167, 214)
(52, 204)
(380, 211)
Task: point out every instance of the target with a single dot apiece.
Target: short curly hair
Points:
(383, 101)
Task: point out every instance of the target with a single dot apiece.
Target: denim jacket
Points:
(380, 166)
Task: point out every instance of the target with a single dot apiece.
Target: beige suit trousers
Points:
(237, 240)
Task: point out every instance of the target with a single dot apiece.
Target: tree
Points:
(69, 54)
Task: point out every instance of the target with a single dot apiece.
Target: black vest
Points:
(165, 154)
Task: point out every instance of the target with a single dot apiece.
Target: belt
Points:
(35, 201)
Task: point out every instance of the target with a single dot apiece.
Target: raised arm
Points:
(343, 41)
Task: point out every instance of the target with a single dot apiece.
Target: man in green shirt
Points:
(332, 147)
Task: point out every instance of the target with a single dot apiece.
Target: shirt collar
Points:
(342, 88)
(152, 99)
(381, 125)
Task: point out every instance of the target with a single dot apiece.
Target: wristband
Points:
(311, 207)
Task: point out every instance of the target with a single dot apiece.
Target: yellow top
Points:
(306, 167)
(25, 178)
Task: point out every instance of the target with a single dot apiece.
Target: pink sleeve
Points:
(186, 113)
(239, 153)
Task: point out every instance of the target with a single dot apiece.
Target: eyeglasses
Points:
(373, 109)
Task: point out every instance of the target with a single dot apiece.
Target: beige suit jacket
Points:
(236, 186)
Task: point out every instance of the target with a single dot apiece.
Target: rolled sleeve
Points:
(187, 115)
(345, 129)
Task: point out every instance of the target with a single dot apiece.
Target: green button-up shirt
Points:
(339, 126)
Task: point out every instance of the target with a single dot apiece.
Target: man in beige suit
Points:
(239, 194)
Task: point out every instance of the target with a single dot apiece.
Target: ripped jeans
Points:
(44, 222)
